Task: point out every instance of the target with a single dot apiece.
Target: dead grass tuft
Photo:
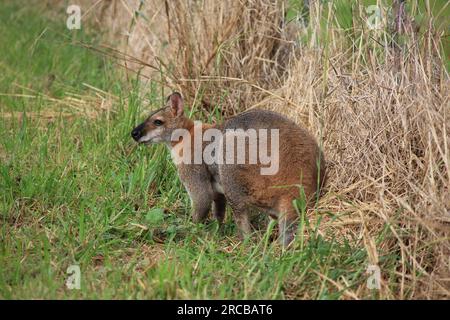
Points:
(91, 105)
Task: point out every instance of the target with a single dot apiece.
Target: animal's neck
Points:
(194, 128)
(188, 124)
(194, 135)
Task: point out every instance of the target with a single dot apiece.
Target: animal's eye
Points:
(157, 122)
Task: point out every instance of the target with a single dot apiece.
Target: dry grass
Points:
(213, 51)
(381, 111)
(91, 105)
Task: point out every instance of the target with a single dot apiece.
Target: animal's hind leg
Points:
(243, 222)
(287, 221)
(234, 182)
(242, 219)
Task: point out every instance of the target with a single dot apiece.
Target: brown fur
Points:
(300, 163)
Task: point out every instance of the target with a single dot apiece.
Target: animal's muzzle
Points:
(138, 132)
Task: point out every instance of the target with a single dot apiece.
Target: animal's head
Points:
(158, 127)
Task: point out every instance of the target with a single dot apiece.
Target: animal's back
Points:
(300, 162)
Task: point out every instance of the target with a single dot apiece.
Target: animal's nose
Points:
(136, 133)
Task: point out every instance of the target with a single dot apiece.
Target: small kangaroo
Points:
(241, 185)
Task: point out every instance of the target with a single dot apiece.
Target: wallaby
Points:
(300, 162)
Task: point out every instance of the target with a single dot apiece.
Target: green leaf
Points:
(155, 216)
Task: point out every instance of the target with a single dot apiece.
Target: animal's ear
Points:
(176, 104)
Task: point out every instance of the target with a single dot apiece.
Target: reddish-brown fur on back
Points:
(301, 163)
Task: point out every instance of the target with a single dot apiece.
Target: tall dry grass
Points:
(377, 101)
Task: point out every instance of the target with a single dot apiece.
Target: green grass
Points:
(352, 16)
(78, 191)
